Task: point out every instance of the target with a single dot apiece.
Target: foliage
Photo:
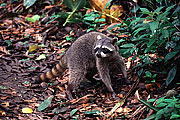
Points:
(74, 6)
(29, 3)
(169, 108)
(153, 32)
(45, 104)
(148, 74)
(33, 18)
(92, 20)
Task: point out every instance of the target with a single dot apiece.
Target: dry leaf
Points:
(5, 104)
(27, 110)
(116, 11)
(2, 113)
(3, 49)
(83, 99)
(3, 98)
(98, 4)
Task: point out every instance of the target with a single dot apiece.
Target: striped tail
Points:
(55, 71)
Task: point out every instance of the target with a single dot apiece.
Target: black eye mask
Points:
(105, 50)
(95, 50)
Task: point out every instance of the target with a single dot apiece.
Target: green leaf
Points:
(170, 7)
(93, 112)
(176, 11)
(168, 100)
(100, 20)
(33, 18)
(152, 117)
(26, 82)
(153, 26)
(170, 55)
(160, 112)
(120, 41)
(158, 9)
(141, 37)
(154, 75)
(140, 72)
(148, 104)
(9, 42)
(45, 104)
(73, 112)
(2, 87)
(151, 100)
(160, 100)
(90, 18)
(90, 29)
(144, 10)
(3, 4)
(151, 42)
(165, 33)
(162, 105)
(28, 3)
(140, 29)
(171, 75)
(129, 45)
(148, 74)
(74, 6)
(68, 38)
(42, 56)
(159, 1)
(173, 116)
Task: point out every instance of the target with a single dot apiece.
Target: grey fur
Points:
(81, 58)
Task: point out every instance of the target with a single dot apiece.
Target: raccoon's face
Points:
(105, 47)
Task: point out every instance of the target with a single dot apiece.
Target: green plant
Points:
(152, 77)
(92, 20)
(74, 6)
(29, 3)
(154, 32)
(33, 18)
(168, 108)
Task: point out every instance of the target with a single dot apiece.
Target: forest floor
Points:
(21, 99)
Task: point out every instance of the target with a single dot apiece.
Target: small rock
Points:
(171, 93)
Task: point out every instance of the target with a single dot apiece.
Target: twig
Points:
(119, 104)
(176, 27)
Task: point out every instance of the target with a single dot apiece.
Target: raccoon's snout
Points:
(101, 55)
(98, 55)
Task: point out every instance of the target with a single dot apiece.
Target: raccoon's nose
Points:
(98, 55)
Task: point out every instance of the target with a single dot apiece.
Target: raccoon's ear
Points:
(99, 37)
(114, 40)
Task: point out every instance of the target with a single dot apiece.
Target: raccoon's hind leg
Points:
(104, 74)
(76, 76)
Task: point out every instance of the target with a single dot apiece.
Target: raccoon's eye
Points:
(105, 50)
(95, 50)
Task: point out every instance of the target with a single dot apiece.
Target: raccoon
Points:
(90, 52)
